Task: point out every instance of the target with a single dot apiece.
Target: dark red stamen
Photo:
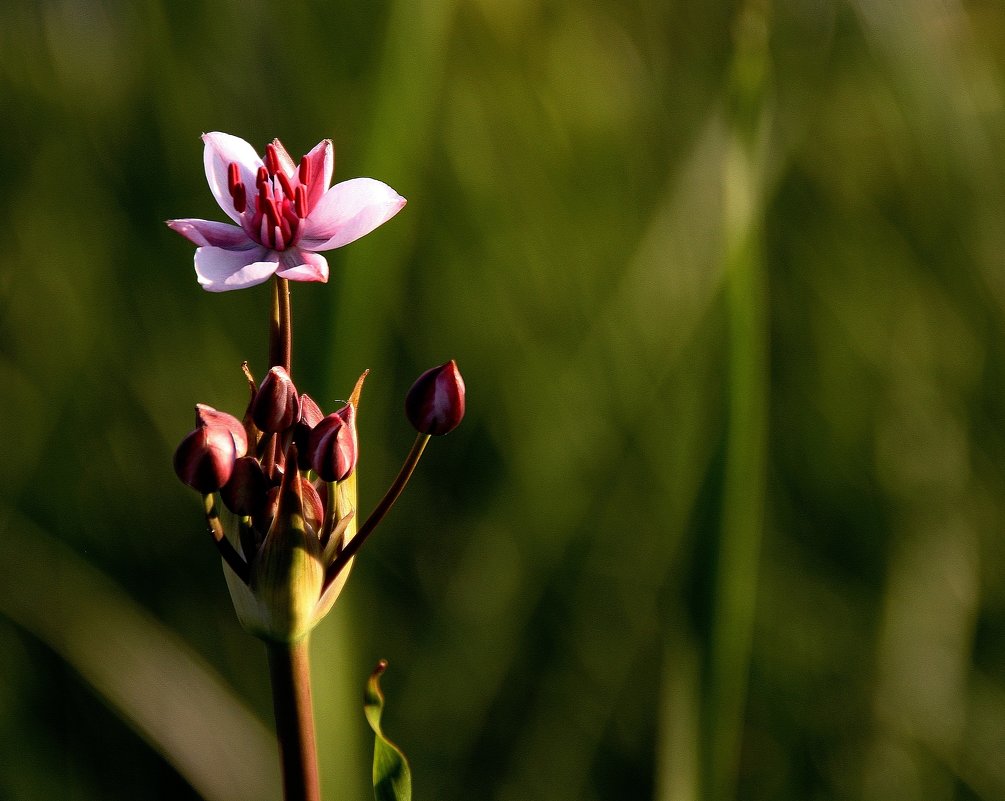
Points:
(266, 204)
(264, 195)
(281, 203)
(269, 207)
(240, 196)
(236, 187)
(272, 160)
(285, 183)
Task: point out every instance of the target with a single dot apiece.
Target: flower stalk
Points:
(290, 673)
(230, 555)
(351, 547)
(280, 325)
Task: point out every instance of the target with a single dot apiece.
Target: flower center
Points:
(280, 205)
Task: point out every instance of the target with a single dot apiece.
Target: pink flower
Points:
(284, 214)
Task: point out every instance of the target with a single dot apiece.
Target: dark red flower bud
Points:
(313, 508)
(435, 403)
(247, 490)
(277, 405)
(310, 412)
(332, 447)
(208, 416)
(310, 416)
(205, 458)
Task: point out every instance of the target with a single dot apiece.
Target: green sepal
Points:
(286, 575)
(342, 497)
(392, 779)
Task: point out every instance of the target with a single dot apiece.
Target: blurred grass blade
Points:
(413, 66)
(141, 669)
(744, 491)
(392, 779)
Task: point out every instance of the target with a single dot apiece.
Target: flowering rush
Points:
(285, 213)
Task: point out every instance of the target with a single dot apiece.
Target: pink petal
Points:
(321, 164)
(220, 151)
(285, 159)
(347, 211)
(206, 233)
(301, 265)
(221, 270)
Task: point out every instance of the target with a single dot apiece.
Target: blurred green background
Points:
(727, 285)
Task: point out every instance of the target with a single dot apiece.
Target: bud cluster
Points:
(278, 472)
(214, 457)
(286, 472)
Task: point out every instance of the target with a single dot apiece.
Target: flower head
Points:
(285, 214)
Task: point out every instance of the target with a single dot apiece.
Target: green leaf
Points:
(392, 779)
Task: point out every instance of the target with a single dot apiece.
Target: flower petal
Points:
(220, 270)
(301, 265)
(285, 159)
(220, 152)
(321, 165)
(347, 211)
(206, 233)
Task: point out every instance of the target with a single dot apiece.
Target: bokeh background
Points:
(727, 284)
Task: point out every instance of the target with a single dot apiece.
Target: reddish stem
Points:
(280, 326)
(290, 671)
(354, 544)
(223, 545)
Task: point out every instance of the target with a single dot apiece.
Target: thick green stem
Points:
(280, 326)
(289, 669)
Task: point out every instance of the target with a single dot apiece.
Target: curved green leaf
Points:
(392, 779)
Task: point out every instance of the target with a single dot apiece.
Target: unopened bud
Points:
(276, 406)
(310, 416)
(208, 416)
(246, 492)
(313, 507)
(205, 458)
(435, 403)
(333, 447)
(310, 412)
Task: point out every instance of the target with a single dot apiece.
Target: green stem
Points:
(280, 326)
(289, 669)
(351, 547)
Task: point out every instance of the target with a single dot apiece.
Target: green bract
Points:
(392, 778)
